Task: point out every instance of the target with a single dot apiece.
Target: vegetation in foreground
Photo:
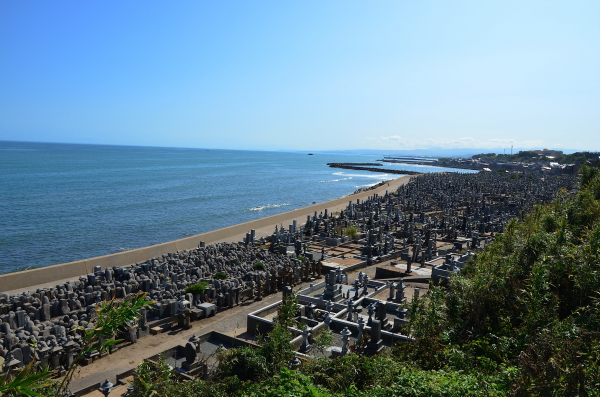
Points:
(521, 319)
(113, 317)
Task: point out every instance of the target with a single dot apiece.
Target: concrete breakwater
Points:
(349, 166)
(50, 274)
(361, 164)
(436, 163)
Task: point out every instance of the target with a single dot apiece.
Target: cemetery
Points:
(426, 230)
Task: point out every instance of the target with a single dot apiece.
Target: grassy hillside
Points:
(522, 319)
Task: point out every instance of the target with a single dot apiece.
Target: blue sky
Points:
(310, 75)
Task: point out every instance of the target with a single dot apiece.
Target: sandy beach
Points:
(31, 280)
(332, 206)
(231, 322)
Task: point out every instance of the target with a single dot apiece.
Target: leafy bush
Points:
(287, 383)
(527, 302)
(521, 318)
(220, 276)
(351, 231)
(197, 289)
(259, 266)
(274, 352)
(150, 379)
(414, 383)
(246, 363)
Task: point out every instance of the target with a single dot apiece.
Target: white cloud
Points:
(389, 142)
(392, 138)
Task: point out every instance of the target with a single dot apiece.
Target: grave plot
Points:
(430, 217)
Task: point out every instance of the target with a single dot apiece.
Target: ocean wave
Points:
(268, 206)
(367, 185)
(336, 180)
(377, 176)
(338, 173)
(20, 269)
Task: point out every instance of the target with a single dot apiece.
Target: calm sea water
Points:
(63, 202)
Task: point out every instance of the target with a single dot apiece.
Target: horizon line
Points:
(432, 148)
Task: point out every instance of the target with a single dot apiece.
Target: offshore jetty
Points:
(427, 228)
(362, 167)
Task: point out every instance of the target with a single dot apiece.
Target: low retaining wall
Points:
(28, 278)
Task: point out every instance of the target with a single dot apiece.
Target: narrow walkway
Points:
(231, 321)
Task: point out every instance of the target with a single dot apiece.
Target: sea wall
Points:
(44, 275)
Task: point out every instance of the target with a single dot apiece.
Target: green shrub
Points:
(197, 289)
(259, 266)
(287, 383)
(246, 363)
(351, 232)
(220, 276)
(521, 318)
(273, 354)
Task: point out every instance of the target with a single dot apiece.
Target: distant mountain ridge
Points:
(433, 152)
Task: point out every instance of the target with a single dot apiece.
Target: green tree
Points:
(273, 353)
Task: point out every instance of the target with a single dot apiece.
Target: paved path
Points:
(231, 321)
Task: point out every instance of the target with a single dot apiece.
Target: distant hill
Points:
(529, 156)
(433, 152)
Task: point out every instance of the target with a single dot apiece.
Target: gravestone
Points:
(132, 333)
(381, 315)
(190, 353)
(400, 287)
(332, 293)
(374, 345)
(17, 354)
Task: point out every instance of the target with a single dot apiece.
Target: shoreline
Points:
(50, 276)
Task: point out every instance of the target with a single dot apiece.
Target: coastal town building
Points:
(548, 152)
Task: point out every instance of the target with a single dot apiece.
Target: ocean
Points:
(66, 202)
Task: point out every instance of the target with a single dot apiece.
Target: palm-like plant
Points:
(113, 317)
